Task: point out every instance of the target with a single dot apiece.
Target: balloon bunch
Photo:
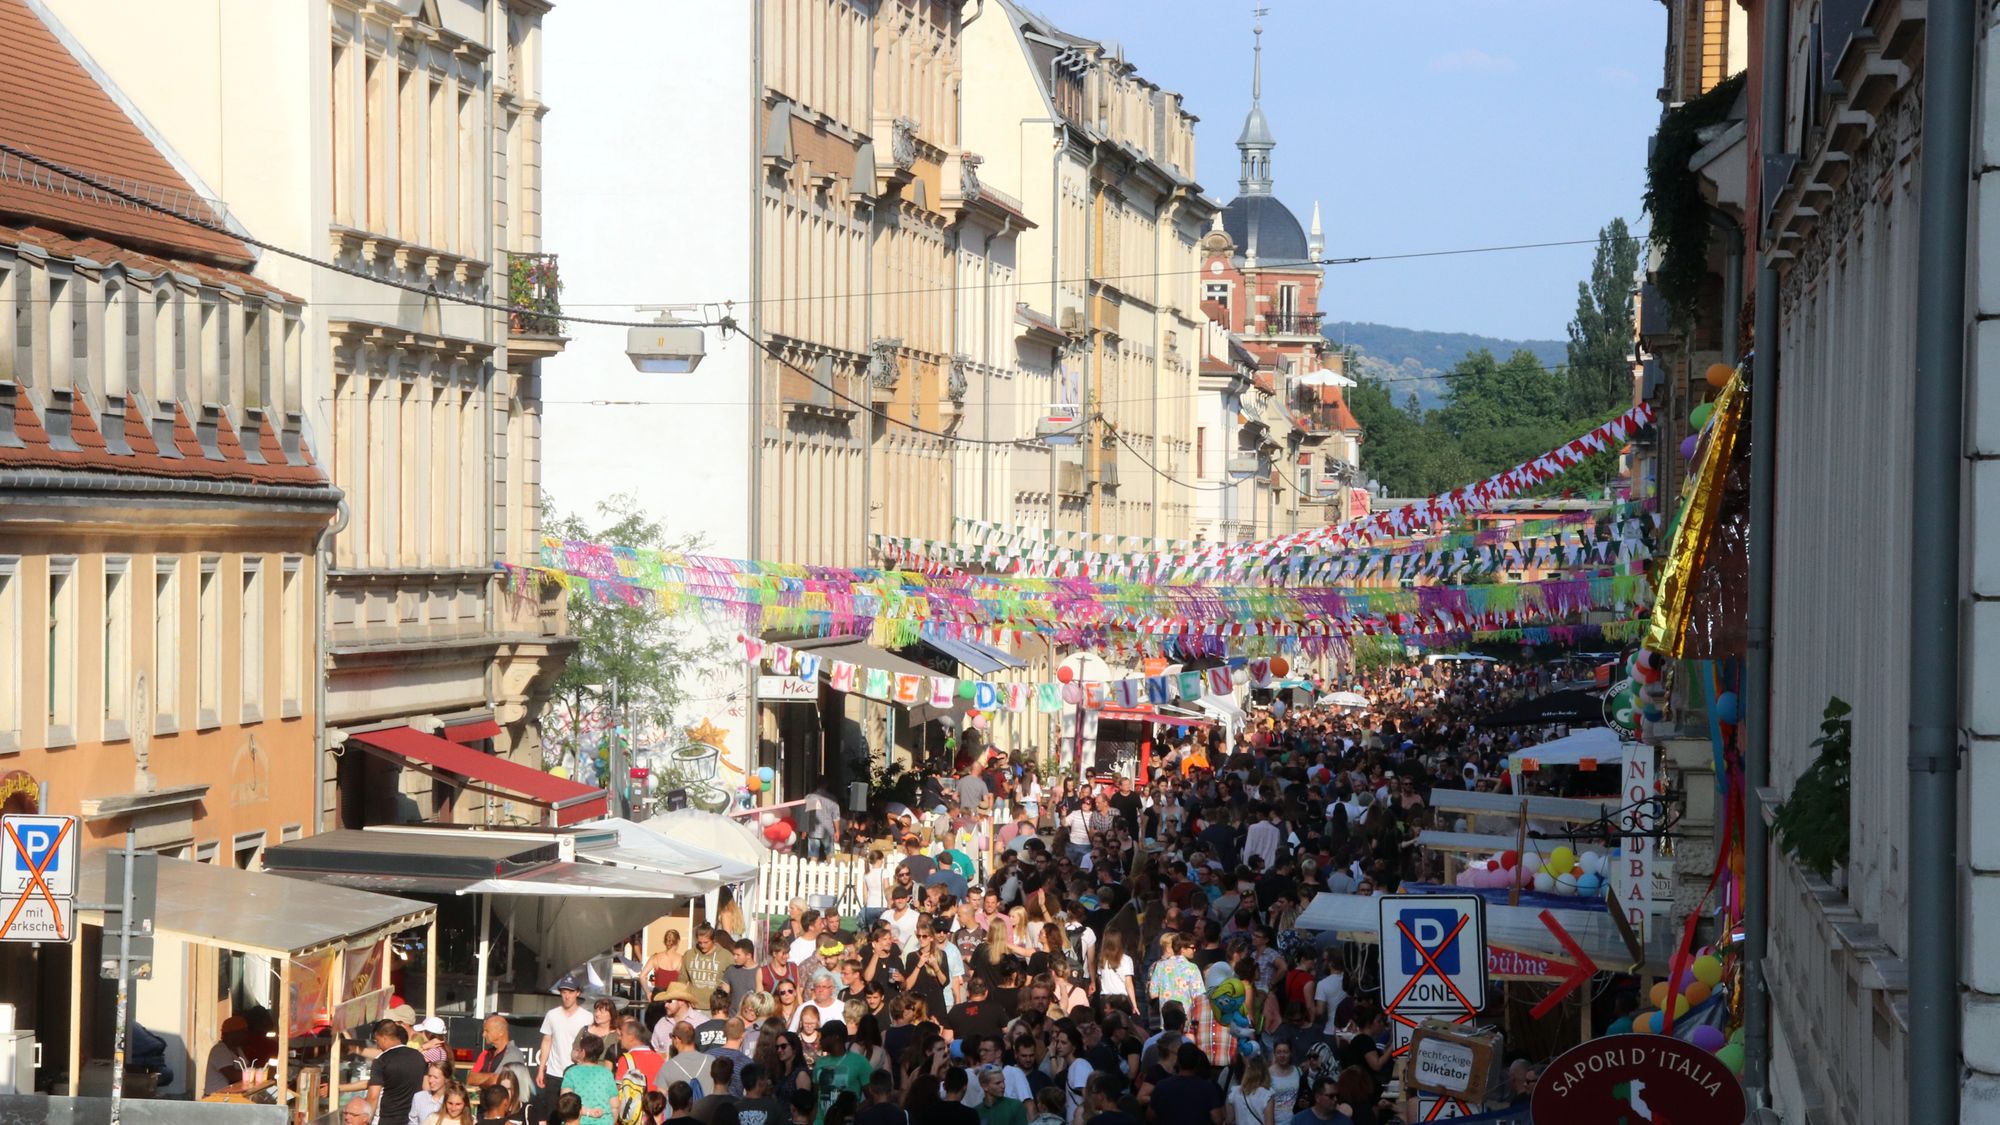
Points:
(1697, 983)
(1561, 872)
(760, 779)
(780, 831)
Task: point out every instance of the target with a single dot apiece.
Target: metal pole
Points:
(1939, 406)
(614, 759)
(485, 955)
(1763, 506)
(124, 986)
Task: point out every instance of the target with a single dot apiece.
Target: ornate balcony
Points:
(1291, 324)
(534, 286)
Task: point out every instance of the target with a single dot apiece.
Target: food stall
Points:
(1123, 746)
(328, 949)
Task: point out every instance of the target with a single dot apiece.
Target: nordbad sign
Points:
(1434, 952)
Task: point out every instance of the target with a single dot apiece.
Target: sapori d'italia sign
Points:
(1637, 1078)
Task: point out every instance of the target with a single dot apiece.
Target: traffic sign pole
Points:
(124, 984)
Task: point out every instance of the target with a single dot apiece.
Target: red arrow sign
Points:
(1578, 973)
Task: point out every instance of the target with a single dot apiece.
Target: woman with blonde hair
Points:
(663, 968)
(454, 1106)
(1251, 1103)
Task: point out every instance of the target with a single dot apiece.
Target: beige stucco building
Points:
(401, 141)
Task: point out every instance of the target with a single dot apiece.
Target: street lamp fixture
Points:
(668, 346)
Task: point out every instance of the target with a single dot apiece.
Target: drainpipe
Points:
(322, 559)
(1763, 505)
(1939, 406)
(753, 710)
(1732, 281)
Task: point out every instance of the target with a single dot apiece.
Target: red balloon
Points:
(777, 830)
(1492, 865)
(1510, 860)
(1065, 674)
(1280, 666)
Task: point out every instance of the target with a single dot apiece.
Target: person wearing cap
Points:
(902, 917)
(428, 1038)
(228, 1072)
(560, 1027)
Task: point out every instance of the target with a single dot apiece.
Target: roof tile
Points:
(56, 110)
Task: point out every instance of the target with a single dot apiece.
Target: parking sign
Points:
(1433, 952)
(38, 852)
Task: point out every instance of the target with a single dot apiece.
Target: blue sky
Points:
(1422, 125)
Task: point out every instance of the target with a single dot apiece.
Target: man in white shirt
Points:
(806, 943)
(559, 1031)
(902, 917)
(1263, 837)
(1328, 995)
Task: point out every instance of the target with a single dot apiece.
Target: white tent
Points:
(635, 845)
(1345, 699)
(711, 832)
(1598, 743)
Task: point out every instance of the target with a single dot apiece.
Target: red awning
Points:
(473, 732)
(571, 801)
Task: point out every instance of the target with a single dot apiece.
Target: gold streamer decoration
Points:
(1693, 528)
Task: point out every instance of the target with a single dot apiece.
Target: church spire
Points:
(1256, 142)
(1315, 238)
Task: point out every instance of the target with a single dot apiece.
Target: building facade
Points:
(161, 510)
(401, 142)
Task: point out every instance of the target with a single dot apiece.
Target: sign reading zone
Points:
(1434, 952)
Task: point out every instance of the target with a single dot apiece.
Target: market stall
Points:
(1136, 726)
(327, 946)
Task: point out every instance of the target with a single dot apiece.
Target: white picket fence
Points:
(781, 878)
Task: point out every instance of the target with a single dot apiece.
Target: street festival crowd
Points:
(1131, 957)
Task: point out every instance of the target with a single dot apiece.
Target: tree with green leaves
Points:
(1600, 338)
(650, 654)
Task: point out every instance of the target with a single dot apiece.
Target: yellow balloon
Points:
(1562, 859)
(559, 771)
(1681, 1005)
(1708, 970)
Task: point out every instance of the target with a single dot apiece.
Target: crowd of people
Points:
(1128, 954)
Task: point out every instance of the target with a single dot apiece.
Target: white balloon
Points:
(1530, 862)
(1593, 864)
(1543, 883)
(1566, 885)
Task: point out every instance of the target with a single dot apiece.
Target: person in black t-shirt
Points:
(1365, 1049)
(978, 1016)
(881, 1110)
(396, 1075)
(925, 971)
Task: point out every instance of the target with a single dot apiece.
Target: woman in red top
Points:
(664, 968)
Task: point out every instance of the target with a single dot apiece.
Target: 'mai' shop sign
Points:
(1638, 1078)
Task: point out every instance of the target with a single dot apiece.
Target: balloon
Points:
(1278, 708)
(1566, 885)
(1708, 970)
(766, 820)
(1731, 1056)
(1065, 674)
(1649, 1023)
(1492, 865)
(1464, 878)
(1510, 860)
(1659, 994)
(1591, 884)
(966, 688)
(753, 783)
(1653, 692)
(1561, 859)
(1280, 666)
(1728, 708)
(776, 831)
(1718, 375)
(1530, 862)
(1240, 676)
(1620, 1026)
(1591, 862)
(1544, 883)
(1652, 712)
(1736, 1036)
(1701, 415)
(1690, 445)
(559, 771)
(1708, 1038)
(767, 775)
(1697, 993)
(1681, 1005)
(1072, 694)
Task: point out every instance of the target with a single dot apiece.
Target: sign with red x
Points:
(1434, 953)
(38, 861)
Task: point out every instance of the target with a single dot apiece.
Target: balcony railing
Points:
(534, 284)
(1292, 324)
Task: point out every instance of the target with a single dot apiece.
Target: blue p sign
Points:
(37, 841)
(1430, 928)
